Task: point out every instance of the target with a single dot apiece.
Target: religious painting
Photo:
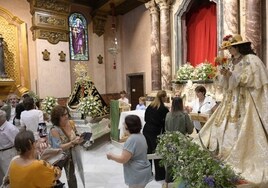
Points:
(78, 37)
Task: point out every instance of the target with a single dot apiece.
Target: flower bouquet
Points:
(222, 62)
(48, 103)
(204, 71)
(89, 106)
(185, 72)
(192, 165)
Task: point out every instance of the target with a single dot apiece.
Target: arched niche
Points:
(14, 32)
(180, 29)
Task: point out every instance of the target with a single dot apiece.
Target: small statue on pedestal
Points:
(2, 63)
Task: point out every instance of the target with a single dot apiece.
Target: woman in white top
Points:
(202, 105)
(30, 117)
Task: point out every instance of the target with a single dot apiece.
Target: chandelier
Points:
(113, 49)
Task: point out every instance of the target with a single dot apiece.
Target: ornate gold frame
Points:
(14, 33)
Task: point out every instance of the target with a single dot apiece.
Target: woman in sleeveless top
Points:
(63, 135)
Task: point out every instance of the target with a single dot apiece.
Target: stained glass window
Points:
(78, 37)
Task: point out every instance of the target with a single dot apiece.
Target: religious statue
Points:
(84, 87)
(2, 63)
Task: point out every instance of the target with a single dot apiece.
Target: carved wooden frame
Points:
(16, 55)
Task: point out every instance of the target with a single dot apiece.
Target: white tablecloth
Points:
(123, 115)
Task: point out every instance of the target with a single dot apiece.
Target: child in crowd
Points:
(141, 105)
(123, 98)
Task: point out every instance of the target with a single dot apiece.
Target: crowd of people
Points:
(240, 118)
(22, 144)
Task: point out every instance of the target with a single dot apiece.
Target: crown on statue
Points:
(80, 70)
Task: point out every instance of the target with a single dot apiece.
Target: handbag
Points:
(55, 157)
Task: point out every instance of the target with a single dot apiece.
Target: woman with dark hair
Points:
(63, 135)
(30, 118)
(177, 120)
(239, 126)
(155, 115)
(202, 105)
(137, 168)
(25, 170)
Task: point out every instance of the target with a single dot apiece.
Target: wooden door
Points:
(135, 88)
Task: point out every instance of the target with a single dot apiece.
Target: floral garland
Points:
(196, 167)
(204, 71)
(90, 106)
(48, 104)
(185, 72)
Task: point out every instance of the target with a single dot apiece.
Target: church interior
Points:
(73, 49)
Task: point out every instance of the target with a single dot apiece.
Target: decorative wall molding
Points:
(56, 6)
(51, 36)
(50, 20)
(99, 20)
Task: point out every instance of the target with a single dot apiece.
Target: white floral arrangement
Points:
(204, 71)
(90, 107)
(185, 72)
(48, 103)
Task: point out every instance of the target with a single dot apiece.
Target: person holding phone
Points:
(63, 135)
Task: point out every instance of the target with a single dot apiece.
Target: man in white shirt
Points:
(10, 106)
(8, 133)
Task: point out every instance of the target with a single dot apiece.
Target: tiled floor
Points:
(102, 173)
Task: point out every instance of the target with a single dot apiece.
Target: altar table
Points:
(123, 115)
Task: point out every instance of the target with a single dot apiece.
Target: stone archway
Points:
(180, 29)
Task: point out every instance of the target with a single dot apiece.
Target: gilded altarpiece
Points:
(16, 63)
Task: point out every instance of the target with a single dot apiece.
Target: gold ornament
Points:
(81, 70)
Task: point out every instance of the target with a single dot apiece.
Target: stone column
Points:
(164, 6)
(155, 45)
(253, 24)
(231, 16)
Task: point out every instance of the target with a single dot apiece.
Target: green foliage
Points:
(192, 164)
